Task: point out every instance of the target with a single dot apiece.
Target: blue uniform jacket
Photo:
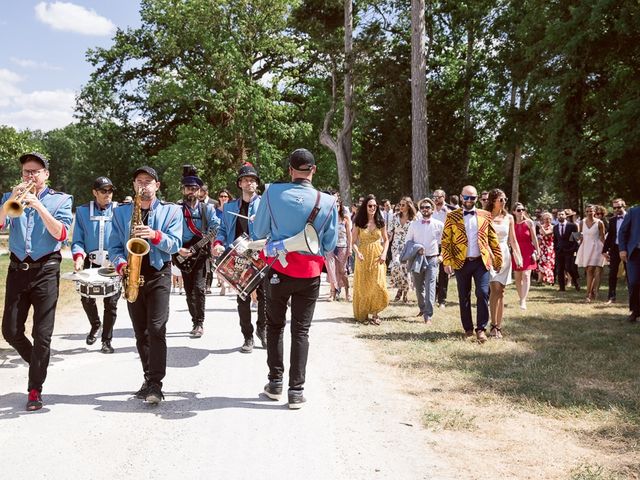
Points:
(212, 221)
(227, 232)
(629, 234)
(285, 208)
(86, 231)
(163, 217)
(28, 236)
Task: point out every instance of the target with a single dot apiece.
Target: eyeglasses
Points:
(105, 191)
(28, 173)
(469, 198)
(372, 206)
(426, 207)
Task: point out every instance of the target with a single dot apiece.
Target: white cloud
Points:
(26, 63)
(40, 109)
(69, 17)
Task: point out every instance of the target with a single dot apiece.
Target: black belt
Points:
(24, 266)
(472, 259)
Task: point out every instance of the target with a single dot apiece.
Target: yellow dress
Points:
(370, 294)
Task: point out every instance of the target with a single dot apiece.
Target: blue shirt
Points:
(212, 220)
(227, 232)
(86, 231)
(163, 217)
(28, 236)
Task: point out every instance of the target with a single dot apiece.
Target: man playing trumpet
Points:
(38, 219)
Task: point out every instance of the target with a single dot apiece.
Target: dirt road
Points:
(357, 424)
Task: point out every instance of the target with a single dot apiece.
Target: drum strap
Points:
(101, 219)
(191, 224)
(315, 210)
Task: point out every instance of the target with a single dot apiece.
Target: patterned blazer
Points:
(455, 242)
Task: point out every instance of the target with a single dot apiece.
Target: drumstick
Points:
(238, 215)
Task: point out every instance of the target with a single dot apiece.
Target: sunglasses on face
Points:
(372, 206)
(426, 207)
(469, 198)
(105, 191)
(618, 208)
(503, 199)
(520, 210)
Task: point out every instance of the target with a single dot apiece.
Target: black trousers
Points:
(244, 312)
(442, 285)
(37, 287)
(149, 315)
(194, 286)
(110, 311)
(303, 293)
(614, 265)
(566, 262)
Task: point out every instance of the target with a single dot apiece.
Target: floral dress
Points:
(547, 260)
(399, 272)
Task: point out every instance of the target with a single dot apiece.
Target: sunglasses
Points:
(618, 208)
(105, 191)
(223, 196)
(426, 207)
(503, 199)
(469, 198)
(520, 210)
(372, 206)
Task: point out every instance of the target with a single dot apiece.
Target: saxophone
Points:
(136, 249)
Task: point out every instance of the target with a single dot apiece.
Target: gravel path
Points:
(357, 424)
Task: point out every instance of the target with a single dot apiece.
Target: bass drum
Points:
(242, 267)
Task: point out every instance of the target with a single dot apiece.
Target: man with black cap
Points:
(89, 249)
(162, 228)
(237, 219)
(284, 211)
(38, 225)
(200, 220)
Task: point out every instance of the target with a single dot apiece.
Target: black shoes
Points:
(273, 389)
(154, 394)
(142, 393)
(262, 336)
(34, 401)
(106, 347)
(91, 338)
(632, 318)
(247, 346)
(296, 399)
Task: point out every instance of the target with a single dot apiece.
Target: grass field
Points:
(563, 365)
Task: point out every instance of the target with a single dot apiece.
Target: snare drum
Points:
(242, 268)
(90, 284)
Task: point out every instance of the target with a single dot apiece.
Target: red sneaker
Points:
(35, 400)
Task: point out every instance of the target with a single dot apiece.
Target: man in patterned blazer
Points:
(470, 248)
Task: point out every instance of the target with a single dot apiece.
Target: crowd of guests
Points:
(405, 242)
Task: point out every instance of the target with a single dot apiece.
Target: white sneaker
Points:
(523, 305)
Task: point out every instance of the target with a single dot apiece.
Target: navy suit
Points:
(611, 247)
(565, 249)
(629, 241)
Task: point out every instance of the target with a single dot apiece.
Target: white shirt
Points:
(427, 234)
(618, 221)
(440, 214)
(471, 227)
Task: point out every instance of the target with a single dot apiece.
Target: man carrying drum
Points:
(237, 219)
(89, 248)
(38, 219)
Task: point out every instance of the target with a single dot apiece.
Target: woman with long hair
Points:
(370, 243)
(547, 260)
(589, 253)
(528, 243)
(336, 261)
(503, 224)
(399, 272)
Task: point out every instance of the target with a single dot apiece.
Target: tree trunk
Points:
(467, 133)
(419, 148)
(508, 167)
(341, 145)
(515, 183)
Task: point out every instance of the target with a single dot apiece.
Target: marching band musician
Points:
(89, 248)
(237, 218)
(161, 226)
(37, 229)
(199, 219)
(284, 211)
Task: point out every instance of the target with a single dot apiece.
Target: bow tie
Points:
(469, 212)
(425, 221)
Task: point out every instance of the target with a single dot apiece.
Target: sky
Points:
(43, 47)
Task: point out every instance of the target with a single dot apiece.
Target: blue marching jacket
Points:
(227, 232)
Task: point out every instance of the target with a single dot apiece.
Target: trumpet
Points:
(14, 207)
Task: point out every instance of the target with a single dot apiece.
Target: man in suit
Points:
(470, 248)
(565, 247)
(629, 245)
(610, 249)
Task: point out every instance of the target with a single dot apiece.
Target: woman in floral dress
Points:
(399, 272)
(547, 260)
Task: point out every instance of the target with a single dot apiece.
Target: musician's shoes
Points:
(154, 394)
(198, 331)
(142, 393)
(247, 346)
(106, 347)
(296, 399)
(273, 389)
(262, 336)
(34, 401)
(91, 338)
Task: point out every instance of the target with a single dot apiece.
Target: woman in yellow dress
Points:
(370, 245)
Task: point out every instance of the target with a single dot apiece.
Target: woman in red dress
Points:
(528, 243)
(547, 260)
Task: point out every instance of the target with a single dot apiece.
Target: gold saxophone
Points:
(136, 249)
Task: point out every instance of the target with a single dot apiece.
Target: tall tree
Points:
(419, 144)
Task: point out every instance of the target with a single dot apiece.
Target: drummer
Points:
(237, 219)
(89, 248)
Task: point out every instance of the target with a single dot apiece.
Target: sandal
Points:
(493, 332)
(375, 320)
(398, 296)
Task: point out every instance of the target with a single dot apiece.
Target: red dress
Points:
(523, 237)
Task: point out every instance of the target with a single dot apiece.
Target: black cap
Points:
(247, 170)
(302, 160)
(148, 171)
(192, 180)
(38, 157)
(102, 182)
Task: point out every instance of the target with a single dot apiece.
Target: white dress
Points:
(504, 275)
(590, 250)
